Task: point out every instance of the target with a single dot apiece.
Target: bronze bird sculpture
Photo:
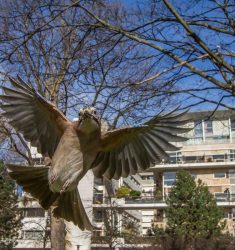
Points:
(76, 147)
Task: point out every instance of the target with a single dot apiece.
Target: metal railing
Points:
(222, 197)
(181, 159)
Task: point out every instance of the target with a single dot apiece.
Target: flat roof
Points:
(211, 114)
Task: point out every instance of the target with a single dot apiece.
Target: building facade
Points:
(208, 154)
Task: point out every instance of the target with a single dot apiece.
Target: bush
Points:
(122, 192)
(135, 194)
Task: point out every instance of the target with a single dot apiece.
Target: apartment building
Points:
(104, 193)
(209, 155)
(35, 233)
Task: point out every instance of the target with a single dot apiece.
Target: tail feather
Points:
(70, 208)
(34, 180)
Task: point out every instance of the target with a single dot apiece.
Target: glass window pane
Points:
(169, 182)
(233, 212)
(220, 175)
(198, 128)
(208, 126)
(33, 235)
(34, 212)
(169, 175)
(233, 125)
(221, 196)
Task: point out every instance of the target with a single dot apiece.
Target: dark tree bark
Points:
(57, 233)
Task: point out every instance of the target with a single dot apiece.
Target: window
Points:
(170, 175)
(33, 212)
(220, 175)
(233, 212)
(19, 191)
(198, 128)
(147, 177)
(33, 235)
(169, 182)
(98, 196)
(232, 154)
(219, 158)
(190, 159)
(175, 157)
(233, 125)
(169, 178)
(208, 127)
(221, 196)
(98, 216)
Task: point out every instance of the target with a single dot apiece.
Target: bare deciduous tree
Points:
(131, 62)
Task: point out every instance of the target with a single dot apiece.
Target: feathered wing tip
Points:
(128, 151)
(34, 180)
(175, 117)
(70, 208)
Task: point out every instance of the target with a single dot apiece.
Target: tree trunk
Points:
(57, 225)
(57, 233)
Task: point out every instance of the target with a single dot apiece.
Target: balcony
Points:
(204, 158)
(208, 140)
(197, 160)
(188, 166)
(147, 203)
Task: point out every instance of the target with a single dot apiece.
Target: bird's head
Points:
(88, 120)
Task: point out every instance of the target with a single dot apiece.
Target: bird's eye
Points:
(94, 112)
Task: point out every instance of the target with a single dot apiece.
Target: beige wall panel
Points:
(215, 189)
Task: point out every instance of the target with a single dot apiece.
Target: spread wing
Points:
(130, 150)
(38, 120)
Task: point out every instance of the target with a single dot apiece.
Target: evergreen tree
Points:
(156, 231)
(10, 218)
(192, 210)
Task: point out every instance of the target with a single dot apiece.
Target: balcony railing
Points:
(130, 200)
(201, 159)
(222, 197)
(214, 139)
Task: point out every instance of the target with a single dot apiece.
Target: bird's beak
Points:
(87, 114)
(92, 116)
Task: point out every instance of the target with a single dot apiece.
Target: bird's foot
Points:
(53, 177)
(65, 186)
